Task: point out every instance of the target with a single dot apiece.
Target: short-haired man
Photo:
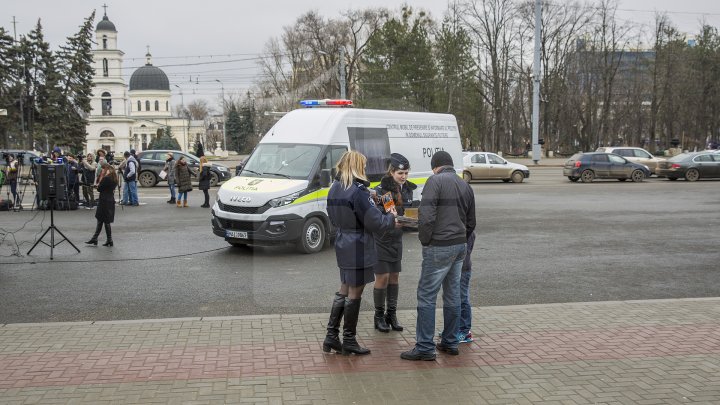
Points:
(445, 217)
(130, 176)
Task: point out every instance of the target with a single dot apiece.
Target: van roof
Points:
(318, 125)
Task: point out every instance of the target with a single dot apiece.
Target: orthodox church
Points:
(124, 118)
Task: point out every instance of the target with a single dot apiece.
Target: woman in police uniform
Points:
(389, 244)
(355, 216)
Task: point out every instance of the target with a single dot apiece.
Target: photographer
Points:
(11, 176)
(89, 167)
(73, 171)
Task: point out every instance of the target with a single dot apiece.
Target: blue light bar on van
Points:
(326, 103)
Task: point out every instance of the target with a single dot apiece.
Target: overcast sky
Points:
(185, 32)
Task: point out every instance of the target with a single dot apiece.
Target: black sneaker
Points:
(447, 349)
(415, 355)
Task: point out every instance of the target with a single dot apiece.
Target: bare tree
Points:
(492, 22)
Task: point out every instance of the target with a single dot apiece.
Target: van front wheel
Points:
(313, 236)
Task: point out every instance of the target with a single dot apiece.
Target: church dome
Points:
(149, 77)
(105, 25)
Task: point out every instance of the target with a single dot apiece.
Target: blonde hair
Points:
(351, 166)
(203, 161)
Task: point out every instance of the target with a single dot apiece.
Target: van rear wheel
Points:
(312, 238)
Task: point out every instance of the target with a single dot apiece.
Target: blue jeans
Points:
(133, 192)
(182, 196)
(126, 193)
(441, 266)
(465, 309)
(171, 186)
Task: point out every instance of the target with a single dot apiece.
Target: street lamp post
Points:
(222, 88)
(182, 99)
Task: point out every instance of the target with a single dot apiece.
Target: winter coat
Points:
(170, 170)
(182, 177)
(72, 172)
(389, 243)
(447, 210)
(204, 177)
(89, 172)
(354, 213)
(105, 211)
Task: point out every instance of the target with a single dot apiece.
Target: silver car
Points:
(489, 166)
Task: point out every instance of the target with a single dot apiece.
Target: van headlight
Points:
(281, 201)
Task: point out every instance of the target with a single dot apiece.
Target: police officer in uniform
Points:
(389, 244)
(356, 217)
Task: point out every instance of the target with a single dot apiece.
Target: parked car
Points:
(691, 166)
(600, 165)
(152, 162)
(637, 155)
(489, 166)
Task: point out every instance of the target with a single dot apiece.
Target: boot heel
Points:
(107, 243)
(91, 242)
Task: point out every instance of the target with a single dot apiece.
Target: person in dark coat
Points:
(169, 168)
(182, 177)
(105, 213)
(354, 214)
(204, 180)
(89, 167)
(389, 244)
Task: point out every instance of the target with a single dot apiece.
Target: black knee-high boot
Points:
(93, 240)
(332, 340)
(108, 233)
(379, 295)
(350, 344)
(392, 297)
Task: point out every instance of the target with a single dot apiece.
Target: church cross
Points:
(105, 7)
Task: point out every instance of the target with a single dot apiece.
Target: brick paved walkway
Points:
(639, 352)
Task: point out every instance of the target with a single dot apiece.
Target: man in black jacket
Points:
(445, 219)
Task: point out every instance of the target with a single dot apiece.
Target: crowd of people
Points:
(368, 248)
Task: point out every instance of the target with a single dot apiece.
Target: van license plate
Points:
(236, 234)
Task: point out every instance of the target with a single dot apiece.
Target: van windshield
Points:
(291, 161)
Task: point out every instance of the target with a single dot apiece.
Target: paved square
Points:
(631, 352)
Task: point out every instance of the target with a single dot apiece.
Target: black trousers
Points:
(207, 197)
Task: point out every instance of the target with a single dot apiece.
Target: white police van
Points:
(281, 194)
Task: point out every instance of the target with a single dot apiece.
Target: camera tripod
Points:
(52, 229)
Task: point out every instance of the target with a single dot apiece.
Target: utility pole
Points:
(342, 73)
(222, 88)
(536, 148)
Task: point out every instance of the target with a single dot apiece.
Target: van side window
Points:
(375, 145)
(329, 163)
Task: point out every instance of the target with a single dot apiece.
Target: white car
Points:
(489, 166)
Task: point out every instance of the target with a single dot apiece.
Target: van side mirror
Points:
(325, 178)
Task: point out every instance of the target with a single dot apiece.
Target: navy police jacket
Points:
(355, 216)
(389, 243)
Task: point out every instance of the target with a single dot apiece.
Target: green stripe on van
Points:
(323, 192)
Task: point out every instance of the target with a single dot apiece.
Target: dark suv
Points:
(153, 161)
